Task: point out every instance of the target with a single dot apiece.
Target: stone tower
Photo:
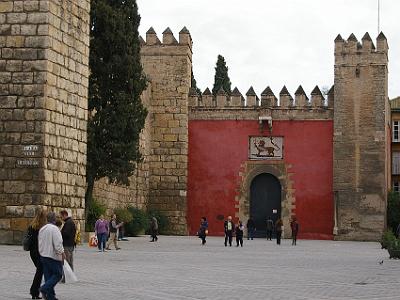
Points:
(361, 139)
(43, 110)
(168, 66)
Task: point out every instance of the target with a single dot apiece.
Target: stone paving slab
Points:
(179, 268)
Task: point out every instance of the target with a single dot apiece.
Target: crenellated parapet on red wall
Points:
(220, 128)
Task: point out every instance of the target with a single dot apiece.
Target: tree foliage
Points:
(116, 81)
(393, 210)
(221, 77)
(194, 84)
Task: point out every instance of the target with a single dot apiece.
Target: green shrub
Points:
(123, 215)
(393, 210)
(96, 209)
(394, 244)
(141, 221)
(139, 224)
(387, 239)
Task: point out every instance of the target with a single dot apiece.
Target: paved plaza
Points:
(180, 268)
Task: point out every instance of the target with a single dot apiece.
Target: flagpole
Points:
(379, 17)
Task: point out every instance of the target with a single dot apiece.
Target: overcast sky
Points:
(274, 42)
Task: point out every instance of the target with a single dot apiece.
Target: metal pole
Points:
(379, 17)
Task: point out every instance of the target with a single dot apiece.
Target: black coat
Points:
(239, 231)
(250, 224)
(226, 227)
(68, 233)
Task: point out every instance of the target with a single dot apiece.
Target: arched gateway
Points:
(265, 201)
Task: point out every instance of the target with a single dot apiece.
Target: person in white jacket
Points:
(52, 255)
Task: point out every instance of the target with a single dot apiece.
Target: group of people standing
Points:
(50, 245)
(107, 233)
(231, 229)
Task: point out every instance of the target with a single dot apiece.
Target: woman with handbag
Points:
(203, 231)
(33, 231)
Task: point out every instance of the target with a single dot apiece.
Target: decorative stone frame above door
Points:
(248, 171)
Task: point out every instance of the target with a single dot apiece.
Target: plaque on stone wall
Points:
(29, 152)
(265, 147)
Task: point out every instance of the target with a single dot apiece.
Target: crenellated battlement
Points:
(352, 52)
(168, 45)
(267, 100)
(249, 107)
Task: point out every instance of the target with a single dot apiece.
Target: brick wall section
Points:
(168, 66)
(43, 90)
(360, 140)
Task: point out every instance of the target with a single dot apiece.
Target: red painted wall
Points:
(218, 148)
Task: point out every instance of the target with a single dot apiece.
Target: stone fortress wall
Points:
(43, 110)
(359, 108)
(361, 137)
(43, 115)
(160, 182)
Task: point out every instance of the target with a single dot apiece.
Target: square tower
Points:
(361, 137)
(43, 110)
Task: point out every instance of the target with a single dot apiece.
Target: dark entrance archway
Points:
(265, 201)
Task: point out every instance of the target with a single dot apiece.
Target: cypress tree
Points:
(116, 81)
(221, 77)
(194, 84)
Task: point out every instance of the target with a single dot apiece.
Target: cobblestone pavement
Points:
(180, 268)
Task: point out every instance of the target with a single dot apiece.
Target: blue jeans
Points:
(101, 240)
(52, 271)
(250, 233)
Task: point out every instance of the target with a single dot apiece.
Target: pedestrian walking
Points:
(270, 228)
(154, 229)
(113, 227)
(33, 230)
(251, 228)
(239, 234)
(101, 231)
(229, 228)
(203, 230)
(278, 229)
(52, 255)
(68, 232)
(294, 225)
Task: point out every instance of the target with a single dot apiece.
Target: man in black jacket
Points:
(229, 228)
(68, 232)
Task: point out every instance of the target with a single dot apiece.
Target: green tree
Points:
(221, 77)
(194, 84)
(116, 81)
